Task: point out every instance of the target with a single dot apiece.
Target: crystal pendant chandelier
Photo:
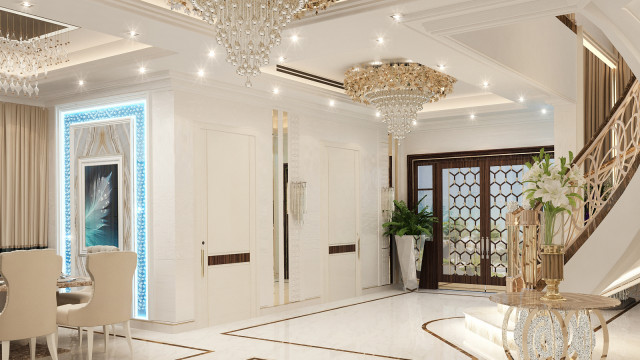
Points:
(398, 91)
(28, 47)
(248, 29)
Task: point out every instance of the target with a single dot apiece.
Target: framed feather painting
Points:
(100, 202)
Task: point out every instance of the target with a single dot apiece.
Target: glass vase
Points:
(552, 254)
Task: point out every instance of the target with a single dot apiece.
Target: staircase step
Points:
(487, 322)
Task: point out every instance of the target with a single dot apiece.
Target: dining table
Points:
(62, 283)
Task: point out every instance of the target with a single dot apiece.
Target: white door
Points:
(230, 225)
(343, 223)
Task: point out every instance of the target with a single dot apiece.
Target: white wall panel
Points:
(342, 196)
(342, 276)
(229, 203)
(229, 293)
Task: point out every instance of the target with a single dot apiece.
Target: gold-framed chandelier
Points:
(248, 29)
(398, 90)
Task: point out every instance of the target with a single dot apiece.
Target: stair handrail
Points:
(609, 161)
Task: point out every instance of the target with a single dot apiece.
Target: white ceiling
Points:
(460, 34)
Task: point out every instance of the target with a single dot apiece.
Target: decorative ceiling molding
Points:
(311, 77)
(477, 15)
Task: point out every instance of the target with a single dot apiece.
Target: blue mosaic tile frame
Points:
(137, 112)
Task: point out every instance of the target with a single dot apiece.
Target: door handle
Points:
(202, 262)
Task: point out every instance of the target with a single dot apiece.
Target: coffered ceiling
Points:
(506, 55)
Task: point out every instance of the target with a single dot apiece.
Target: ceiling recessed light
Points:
(132, 34)
(485, 84)
(212, 53)
(26, 4)
(201, 73)
(397, 17)
(441, 67)
(81, 82)
(142, 69)
(376, 63)
(282, 59)
(414, 123)
(521, 99)
(332, 103)
(472, 116)
(276, 90)
(543, 111)
(378, 114)
(380, 40)
(294, 38)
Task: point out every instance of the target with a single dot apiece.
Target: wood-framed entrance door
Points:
(469, 193)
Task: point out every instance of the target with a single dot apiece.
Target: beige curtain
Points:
(598, 88)
(23, 177)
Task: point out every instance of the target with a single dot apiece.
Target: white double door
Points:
(343, 214)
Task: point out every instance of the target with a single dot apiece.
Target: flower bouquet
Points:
(554, 185)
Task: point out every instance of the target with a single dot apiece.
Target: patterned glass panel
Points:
(461, 221)
(505, 186)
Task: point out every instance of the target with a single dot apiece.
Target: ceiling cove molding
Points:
(240, 94)
(162, 14)
(465, 17)
(153, 81)
(468, 51)
(484, 121)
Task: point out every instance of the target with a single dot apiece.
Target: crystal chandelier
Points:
(248, 29)
(26, 50)
(398, 91)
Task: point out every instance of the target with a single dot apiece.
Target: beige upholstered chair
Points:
(30, 311)
(112, 275)
(82, 296)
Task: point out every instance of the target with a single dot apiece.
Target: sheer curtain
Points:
(23, 177)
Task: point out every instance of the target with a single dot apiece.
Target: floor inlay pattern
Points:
(425, 328)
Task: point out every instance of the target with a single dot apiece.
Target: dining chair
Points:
(112, 276)
(82, 296)
(30, 310)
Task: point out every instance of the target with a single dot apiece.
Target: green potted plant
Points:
(409, 228)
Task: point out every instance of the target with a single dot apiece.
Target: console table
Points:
(554, 329)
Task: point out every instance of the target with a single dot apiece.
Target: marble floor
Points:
(385, 325)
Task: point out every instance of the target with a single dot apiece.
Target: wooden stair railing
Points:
(609, 161)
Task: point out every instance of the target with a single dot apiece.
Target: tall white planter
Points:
(407, 259)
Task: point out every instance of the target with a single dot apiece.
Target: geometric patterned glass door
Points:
(505, 186)
(461, 233)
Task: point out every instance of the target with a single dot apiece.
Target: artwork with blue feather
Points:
(101, 205)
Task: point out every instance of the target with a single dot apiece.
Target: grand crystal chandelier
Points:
(26, 50)
(398, 91)
(248, 29)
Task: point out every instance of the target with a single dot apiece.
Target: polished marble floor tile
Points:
(386, 325)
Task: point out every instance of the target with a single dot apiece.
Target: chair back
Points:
(101, 248)
(112, 275)
(31, 278)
